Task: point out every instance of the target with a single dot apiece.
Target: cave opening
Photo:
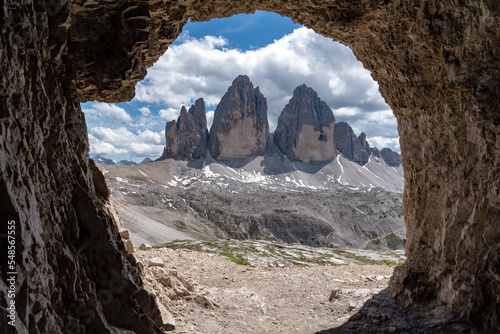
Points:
(436, 64)
(203, 61)
(200, 64)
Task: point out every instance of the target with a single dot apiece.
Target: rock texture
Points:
(437, 66)
(187, 138)
(74, 274)
(240, 128)
(208, 294)
(353, 148)
(305, 128)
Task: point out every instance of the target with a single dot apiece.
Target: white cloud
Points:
(109, 110)
(168, 114)
(206, 68)
(149, 137)
(121, 141)
(145, 111)
(100, 147)
(381, 142)
(347, 111)
(210, 118)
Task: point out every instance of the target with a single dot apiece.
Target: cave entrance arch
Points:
(427, 75)
(278, 65)
(436, 64)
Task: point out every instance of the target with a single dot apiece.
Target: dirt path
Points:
(211, 294)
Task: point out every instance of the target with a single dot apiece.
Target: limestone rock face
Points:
(187, 137)
(437, 66)
(390, 157)
(240, 128)
(351, 146)
(305, 128)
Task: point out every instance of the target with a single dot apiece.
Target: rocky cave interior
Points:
(437, 65)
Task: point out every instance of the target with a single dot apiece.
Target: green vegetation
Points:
(237, 260)
(260, 252)
(392, 263)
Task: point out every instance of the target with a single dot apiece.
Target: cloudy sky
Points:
(275, 53)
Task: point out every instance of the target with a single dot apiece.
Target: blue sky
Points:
(277, 54)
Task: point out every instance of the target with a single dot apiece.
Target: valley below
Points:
(334, 204)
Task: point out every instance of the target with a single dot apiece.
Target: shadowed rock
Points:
(390, 157)
(364, 143)
(187, 137)
(351, 146)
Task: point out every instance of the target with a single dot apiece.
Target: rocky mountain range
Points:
(103, 160)
(306, 130)
(312, 182)
(333, 204)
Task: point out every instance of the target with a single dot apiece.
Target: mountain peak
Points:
(305, 128)
(187, 137)
(240, 128)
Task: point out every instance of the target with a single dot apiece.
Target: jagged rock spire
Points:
(305, 128)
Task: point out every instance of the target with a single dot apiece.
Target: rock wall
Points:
(73, 272)
(305, 128)
(437, 65)
(390, 157)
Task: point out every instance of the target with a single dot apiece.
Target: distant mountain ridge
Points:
(306, 130)
(103, 160)
(312, 182)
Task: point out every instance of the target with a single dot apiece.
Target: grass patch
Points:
(240, 261)
(392, 263)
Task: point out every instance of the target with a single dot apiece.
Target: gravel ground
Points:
(230, 298)
(202, 293)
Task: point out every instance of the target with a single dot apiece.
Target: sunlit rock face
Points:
(305, 128)
(436, 64)
(240, 128)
